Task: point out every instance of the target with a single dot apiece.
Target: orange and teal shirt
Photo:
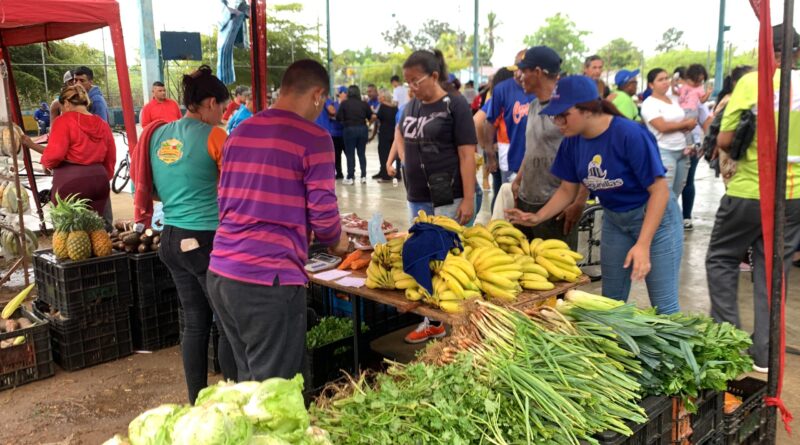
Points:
(186, 156)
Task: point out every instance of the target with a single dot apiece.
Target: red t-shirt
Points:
(232, 107)
(82, 139)
(167, 111)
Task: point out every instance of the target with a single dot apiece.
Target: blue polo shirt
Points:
(511, 102)
(618, 166)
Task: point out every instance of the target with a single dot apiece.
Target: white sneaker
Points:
(363, 179)
(347, 181)
(761, 370)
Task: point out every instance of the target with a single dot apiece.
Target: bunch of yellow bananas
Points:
(534, 276)
(455, 282)
(557, 258)
(440, 220)
(498, 272)
(478, 236)
(509, 238)
(386, 259)
(378, 277)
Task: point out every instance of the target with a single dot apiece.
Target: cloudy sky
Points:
(357, 23)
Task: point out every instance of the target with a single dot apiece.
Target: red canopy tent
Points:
(26, 22)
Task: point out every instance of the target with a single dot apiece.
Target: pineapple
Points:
(79, 245)
(61, 216)
(101, 241)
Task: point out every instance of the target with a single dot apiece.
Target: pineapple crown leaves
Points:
(69, 213)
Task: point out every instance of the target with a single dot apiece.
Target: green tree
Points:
(490, 34)
(400, 36)
(619, 54)
(671, 39)
(561, 34)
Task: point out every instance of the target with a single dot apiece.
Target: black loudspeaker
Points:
(181, 46)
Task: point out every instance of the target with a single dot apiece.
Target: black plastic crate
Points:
(748, 423)
(326, 363)
(656, 431)
(150, 277)
(74, 288)
(29, 361)
(708, 419)
(80, 344)
(155, 326)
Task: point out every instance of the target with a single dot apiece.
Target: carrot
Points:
(349, 260)
(360, 263)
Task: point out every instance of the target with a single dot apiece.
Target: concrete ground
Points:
(374, 197)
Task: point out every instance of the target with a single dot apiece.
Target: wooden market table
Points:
(396, 298)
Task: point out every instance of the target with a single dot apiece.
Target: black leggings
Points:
(188, 269)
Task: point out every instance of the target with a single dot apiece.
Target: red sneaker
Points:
(425, 331)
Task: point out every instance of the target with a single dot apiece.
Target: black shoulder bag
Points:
(440, 184)
(744, 134)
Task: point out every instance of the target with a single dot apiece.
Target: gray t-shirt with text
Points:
(542, 139)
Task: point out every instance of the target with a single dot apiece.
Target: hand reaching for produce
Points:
(342, 246)
(465, 211)
(639, 256)
(517, 216)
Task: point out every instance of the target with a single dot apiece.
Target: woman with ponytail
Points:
(437, 141)
(618, 160)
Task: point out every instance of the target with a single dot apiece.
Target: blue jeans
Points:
(677, 165)
(497, 181)
(620, 232)
(355, 141)
(448, 210)
(687, 197)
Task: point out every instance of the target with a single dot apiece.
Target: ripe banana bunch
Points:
(557, 258)
(440, 220)
(378, 277)
(534, 276)
(498, 272)
(509, 238)
(478, 236)
(454, 281)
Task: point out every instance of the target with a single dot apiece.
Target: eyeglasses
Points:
(561, 119)
(415, 84)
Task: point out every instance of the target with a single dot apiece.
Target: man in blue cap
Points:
(534, 185)
(623, 98)
(42, 117)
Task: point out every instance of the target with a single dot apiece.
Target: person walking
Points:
(80, 151)
(618, 160)
(354, 114)
(386, 118)
(738, 224)
(668, 123)
(160, 107)
(182, 162)
(256, 280)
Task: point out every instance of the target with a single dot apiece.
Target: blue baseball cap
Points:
(625, 76)
(570, 91)
(341, 89)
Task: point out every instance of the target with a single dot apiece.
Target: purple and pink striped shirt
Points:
(276, 187)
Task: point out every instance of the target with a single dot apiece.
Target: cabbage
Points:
(117, 440)
(277, 408)
(267, 439)
(153, 427)
(317, 436)
(213, 424)
(228, 392)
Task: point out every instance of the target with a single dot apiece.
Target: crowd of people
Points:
(242, 206)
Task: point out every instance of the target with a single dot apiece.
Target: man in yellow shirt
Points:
(738, 221)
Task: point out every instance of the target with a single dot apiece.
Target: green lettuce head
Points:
(227, 392)
(277, 408)
(154, 427)
(212, 424)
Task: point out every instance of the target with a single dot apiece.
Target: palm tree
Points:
(490, 30)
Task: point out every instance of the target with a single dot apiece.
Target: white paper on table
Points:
(351, 282)
(332, 275)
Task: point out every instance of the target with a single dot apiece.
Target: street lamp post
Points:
(719, 69)
(328, 38)
(475, 49)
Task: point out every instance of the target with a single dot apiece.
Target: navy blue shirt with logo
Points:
(511, 102)
(618, 166)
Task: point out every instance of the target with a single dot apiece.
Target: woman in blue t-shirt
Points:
(618, 160)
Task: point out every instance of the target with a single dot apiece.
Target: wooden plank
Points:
(396, 298)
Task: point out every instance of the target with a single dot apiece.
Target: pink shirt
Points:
(689, 96)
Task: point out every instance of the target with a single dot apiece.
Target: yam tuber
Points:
(154, 247)
(142, 248)
(132, 239)
(156, 239)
